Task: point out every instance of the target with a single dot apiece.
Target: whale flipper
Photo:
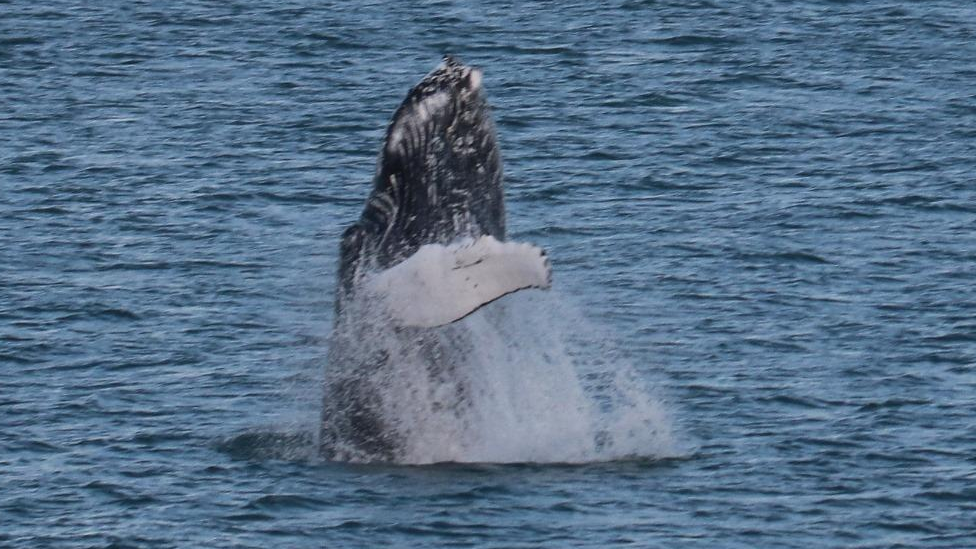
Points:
(441, 284)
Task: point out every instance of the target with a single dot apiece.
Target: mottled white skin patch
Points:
(411, 124)
(475, 79)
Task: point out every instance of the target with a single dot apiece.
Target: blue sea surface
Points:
(770, 207)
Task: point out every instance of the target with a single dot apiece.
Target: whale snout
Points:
(465, 77)
(474, 79)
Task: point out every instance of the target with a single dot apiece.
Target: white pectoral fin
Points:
(441, 284)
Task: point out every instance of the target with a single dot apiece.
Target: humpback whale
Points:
(428, 249)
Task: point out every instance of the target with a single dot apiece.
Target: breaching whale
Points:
(428, 249)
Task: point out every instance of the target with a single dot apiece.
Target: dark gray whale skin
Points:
(439, 178)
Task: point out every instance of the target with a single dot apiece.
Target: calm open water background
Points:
(770, 205)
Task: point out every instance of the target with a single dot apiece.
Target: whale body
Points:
(428, 249)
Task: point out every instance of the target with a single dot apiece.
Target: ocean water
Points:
(764, 213)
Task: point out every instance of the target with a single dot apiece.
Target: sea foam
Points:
(524, 379)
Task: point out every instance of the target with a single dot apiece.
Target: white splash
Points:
(521, 380)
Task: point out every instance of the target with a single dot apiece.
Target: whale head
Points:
(438, 177)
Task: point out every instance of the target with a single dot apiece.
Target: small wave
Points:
(795, 401)
(262, 445)
(285, 501)
(685, 40)
(16, 359)
(797, 256)
(249, 517)
(117, 493)
(107, 312)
